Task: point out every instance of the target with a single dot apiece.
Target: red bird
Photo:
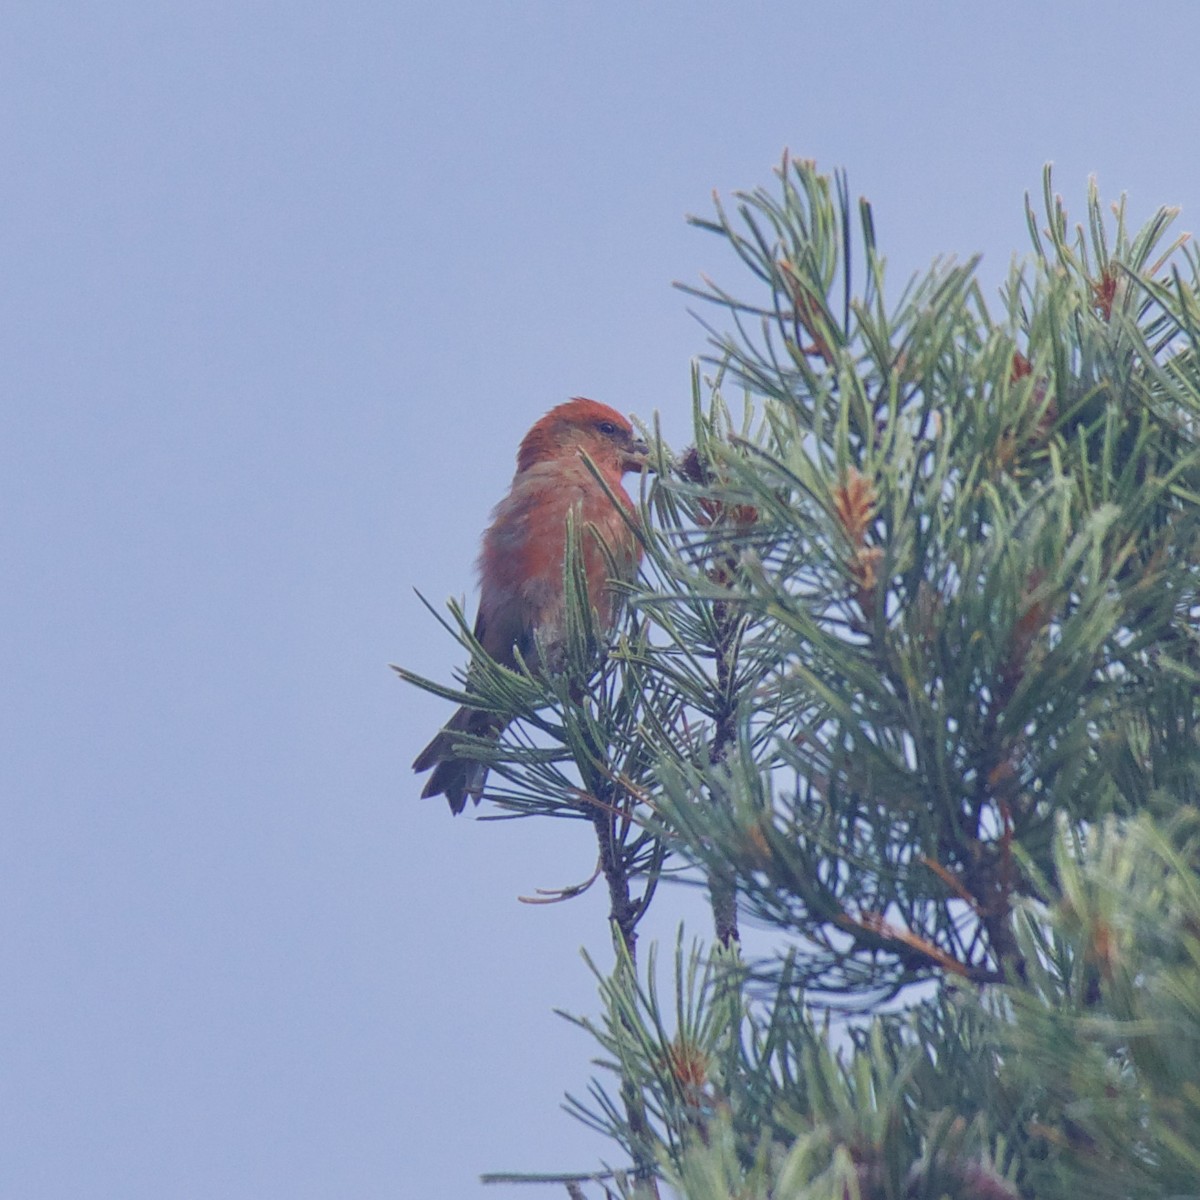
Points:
(522, 607)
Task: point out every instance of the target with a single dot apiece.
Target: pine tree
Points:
(911, 679)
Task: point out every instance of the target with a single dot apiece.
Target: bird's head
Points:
(584, 425)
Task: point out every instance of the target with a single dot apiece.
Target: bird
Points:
(522, 602)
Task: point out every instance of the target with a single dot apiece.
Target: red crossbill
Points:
(522, 605)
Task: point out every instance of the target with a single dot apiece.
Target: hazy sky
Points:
(283, 284)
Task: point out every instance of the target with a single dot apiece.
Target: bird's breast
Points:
(524, 548)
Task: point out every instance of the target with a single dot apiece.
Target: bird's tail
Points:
(455, 777)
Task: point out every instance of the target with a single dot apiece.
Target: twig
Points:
(557, 895)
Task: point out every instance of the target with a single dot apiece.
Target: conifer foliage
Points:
(911, 680)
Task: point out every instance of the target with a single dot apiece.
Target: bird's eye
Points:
(607, 428)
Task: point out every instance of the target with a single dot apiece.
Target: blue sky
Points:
(283, 285)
